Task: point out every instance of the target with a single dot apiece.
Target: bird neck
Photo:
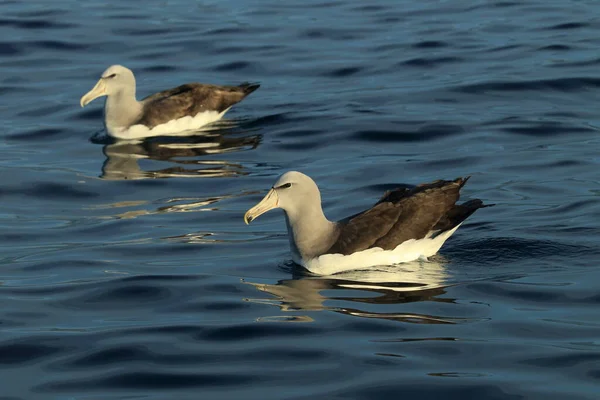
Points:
(310, 232)
(122, 109)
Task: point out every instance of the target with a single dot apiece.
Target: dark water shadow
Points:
(130, 160)
(361, 291)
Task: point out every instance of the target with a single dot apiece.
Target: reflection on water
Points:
(406, 283)
(133, 209)
(126, 159)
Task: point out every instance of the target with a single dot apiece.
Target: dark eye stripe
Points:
(110, 76)
(284, 186)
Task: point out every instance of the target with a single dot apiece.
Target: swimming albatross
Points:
(185, 107)
(405, 225)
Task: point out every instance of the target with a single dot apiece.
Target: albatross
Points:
(186, 107)
(407, 224)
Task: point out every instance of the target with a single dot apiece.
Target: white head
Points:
(115, 80)
(293, 192)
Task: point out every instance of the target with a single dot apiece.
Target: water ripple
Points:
(127, 270)
(563, 85)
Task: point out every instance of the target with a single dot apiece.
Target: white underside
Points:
(185, 126)
(411, 250)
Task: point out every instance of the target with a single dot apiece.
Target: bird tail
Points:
(248, 87)
(457, 214)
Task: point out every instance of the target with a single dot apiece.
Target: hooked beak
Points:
(270, 201)
(97, 91)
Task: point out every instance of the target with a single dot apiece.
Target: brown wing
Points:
(403, 214)
(191, 99)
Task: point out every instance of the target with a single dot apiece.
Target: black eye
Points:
(110, 76)
(285, 186)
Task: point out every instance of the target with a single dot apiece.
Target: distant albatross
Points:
(172, 111)
(405, 225)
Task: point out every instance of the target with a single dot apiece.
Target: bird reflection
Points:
(398, 284)
(126, 159)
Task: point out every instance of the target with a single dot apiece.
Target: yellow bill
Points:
(97, 91)
(269, 202)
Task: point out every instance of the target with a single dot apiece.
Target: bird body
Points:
(405, 225)
(170, 112)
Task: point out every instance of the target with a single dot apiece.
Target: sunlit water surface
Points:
(128, 273)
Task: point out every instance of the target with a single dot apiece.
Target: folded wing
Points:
(189, 100)
(404, 214)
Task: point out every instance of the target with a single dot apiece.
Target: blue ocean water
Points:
(127, 271)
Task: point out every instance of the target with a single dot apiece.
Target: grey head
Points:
(297, 194)
(116, 80)
(293, 192)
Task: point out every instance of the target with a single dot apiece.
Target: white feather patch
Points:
(185, 126)
(411, 250)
